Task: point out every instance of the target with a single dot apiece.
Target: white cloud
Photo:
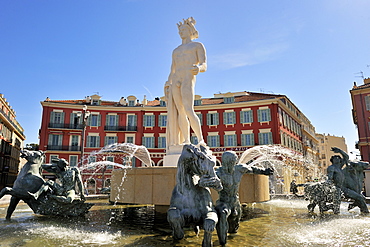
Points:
(247, 57)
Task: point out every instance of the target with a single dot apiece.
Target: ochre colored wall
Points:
(154, 185)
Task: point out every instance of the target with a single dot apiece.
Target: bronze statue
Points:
(191, 202)
(45, 197)
(228, 206)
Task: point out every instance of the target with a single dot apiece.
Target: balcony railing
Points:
(65, 126)
(120, 128)
(63, 148)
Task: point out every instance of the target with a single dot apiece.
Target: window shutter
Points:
(225, 117)
(97, 144)
(52, 117)
(99, 120)
(208, 119)
(270, 138)
(72, 116)
(268, 114)
(367, 102)
(60, 139)
(217, 140)
(88, 139)
(152, 118)
(62, 117)
(50, 140)
(106, 140)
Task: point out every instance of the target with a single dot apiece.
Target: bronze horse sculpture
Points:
(191, 202)
(39, 194)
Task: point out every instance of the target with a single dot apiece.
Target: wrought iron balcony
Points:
(120, 128)
(65, 126)
(63, 148)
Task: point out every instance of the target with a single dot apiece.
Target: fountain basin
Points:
(154, 185)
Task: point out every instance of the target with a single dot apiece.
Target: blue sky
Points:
(311, 51)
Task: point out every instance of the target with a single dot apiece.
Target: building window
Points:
(229, 140)
(95, 102)
(162, 103)
(197, 102)
(194, 140)
(265, 138)
(93, 141)
(248, 139)
(246, 116)
(148, 141)
(148, 120)
(75, 120)
(229, 118)
(228, 100)
(131, 122)
(367, 102)
(129, 161)
(112, 120)
(94, 120)
(110, 159)
(129, 139)
(162, 142)
(212, 119)
(162, 120)
(131, 103)
(264, 115)
(92, 159)
(57, 117)
(73, 160)
(74, 142)
(110, 140)
(200, 116)
(213, 141)
(55, 140)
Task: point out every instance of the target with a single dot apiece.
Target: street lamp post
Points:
(84, 115)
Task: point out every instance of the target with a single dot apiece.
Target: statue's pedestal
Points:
(172, 156)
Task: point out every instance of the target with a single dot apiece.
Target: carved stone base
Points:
(171, 159)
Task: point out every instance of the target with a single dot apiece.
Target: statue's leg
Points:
(311, 207)
(44, 188)
(5, 191)
(222, 225)
(12, 205)
(177, 222)
(209, 226)
(234, 220)
(360, 200)
(337, 198)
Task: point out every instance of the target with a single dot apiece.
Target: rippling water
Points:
(273, 223)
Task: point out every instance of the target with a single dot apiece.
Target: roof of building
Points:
(249, 96)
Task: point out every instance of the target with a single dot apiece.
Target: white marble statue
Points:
(188, 59)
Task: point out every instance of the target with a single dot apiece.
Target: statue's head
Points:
(60, 163)
(187, 27)
(229, 159)
(33, 156)
(335, 159)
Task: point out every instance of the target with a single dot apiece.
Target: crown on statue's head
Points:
(190, 22)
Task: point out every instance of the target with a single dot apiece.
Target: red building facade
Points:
(230, 121)
(360, 96)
